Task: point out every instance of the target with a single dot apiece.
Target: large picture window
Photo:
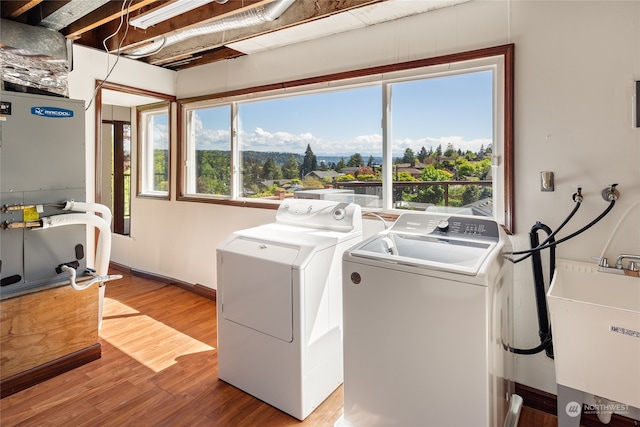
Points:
(431, 135)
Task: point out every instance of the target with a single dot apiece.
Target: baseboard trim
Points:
(197, 289)
(119, 267)
(205, 291)
(537, 399)
(547, 402)
(33, 376)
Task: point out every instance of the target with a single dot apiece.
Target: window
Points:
(154, 150)
(294, 146)
(208, 145)
(433, 134)
(443, 131)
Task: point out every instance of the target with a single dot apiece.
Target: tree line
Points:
(263, 172)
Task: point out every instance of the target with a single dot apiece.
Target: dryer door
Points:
(257, 286)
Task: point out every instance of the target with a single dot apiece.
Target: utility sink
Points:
(595, 322)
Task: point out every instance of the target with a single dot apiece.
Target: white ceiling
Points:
(352, 19)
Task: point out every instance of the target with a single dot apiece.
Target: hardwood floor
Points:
(159, 368)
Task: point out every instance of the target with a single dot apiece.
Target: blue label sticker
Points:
(57, 113)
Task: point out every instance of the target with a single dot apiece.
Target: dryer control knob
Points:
(443, 225)
(339, 214)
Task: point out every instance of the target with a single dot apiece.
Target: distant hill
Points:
(281, 158)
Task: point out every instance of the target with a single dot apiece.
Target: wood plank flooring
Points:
(159, 368)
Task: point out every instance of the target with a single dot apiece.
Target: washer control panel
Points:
(447, 226)
(321, 214)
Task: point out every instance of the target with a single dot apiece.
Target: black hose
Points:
(529, 351)
(570, 236)
(551, 236)
(544, 327)
(538, 279)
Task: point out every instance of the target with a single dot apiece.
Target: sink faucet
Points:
(632, 269)
(633, 265)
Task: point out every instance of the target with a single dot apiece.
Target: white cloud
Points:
(262, 140)
(458, 142)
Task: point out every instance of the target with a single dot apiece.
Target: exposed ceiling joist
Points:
(93, 23)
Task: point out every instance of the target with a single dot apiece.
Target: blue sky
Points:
(453, 109)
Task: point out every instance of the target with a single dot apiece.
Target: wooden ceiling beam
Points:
(13, 9)
(111, 11)
(218, 54)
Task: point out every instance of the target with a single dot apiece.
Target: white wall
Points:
(90, 65)
(575, 67)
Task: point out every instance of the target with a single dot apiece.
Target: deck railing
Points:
(374, 188)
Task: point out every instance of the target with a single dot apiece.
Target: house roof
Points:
(325, 174)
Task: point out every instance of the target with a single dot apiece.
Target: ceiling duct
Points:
(259, 15)
(71, 12)
(34, 57)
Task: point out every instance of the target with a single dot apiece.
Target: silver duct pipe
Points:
(259, 15)
(70, 12)
(34, 57)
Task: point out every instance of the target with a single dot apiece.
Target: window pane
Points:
(208, 168)
(443, 131)
(322, 145)
(155, 151)
(159, 129)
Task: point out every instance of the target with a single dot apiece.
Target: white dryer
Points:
(426, 316)
(280, 304)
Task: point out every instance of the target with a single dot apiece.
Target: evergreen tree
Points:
(270, 170)
(291, 169)
(371, 161)
(422, 154)
(310, 162)
(408, 156)
(450, 151)
(356, 160)
(341, 165)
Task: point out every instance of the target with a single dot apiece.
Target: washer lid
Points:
(459, 256)
(289, 235)
(433, 241)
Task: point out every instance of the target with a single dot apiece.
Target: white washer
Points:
(280, 304)
(426, 315)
